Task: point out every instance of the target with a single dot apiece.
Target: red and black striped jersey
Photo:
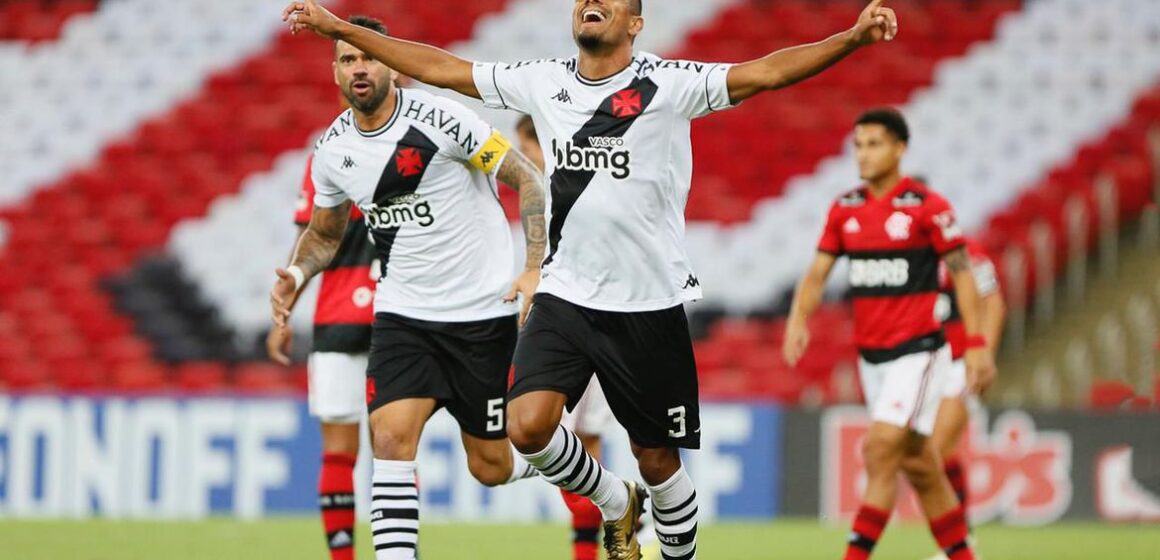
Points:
(345, 309)
(894, 244)
(947, 309)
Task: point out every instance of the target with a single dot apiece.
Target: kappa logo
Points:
(692, 282)
(563, 96)
(347, 162)
(486, 158)
(852, 226)
(409, 162)
(898, 226)
(626, 103)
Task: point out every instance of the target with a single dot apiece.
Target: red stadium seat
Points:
(1110, 394)
(201, 377)
(263, 378)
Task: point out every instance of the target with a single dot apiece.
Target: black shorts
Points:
(644, 362)
(463, 366)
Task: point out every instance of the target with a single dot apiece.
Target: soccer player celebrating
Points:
(895, 230)
(423, 170)
(615, 129)
(590, 417)
(337, 368)
(953, 410)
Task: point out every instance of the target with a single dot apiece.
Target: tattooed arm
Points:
(980, 360)
(316, 248)
(518, 172)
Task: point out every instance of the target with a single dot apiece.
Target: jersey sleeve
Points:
(506, 86)
(480, 146)
(303, 208)
(700, 88)
(831, 241)
(942, 227)
(326, 193)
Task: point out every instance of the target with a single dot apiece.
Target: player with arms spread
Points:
(615, 128)
(588, 419)
(423, 171)
(895, 231)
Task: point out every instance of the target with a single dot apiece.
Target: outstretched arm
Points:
(425, 63)
(315, 250)
(792, 65)
(806, 300)
(518, 172)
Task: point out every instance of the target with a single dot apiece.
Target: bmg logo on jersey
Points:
(406, 209)
(877, 273)
(606, 154)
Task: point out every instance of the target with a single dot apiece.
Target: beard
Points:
(369, 104)
(589, 42)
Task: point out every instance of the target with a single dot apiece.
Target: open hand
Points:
(279, 344)
(981, 370)
(797, 339)
(282, 298)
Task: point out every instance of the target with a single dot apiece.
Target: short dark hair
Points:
(526, 126)
(890, 118)
(636, 6)
(368, 22)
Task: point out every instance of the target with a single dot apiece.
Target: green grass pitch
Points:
(300, 539)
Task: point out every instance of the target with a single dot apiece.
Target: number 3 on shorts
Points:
(495, 415)
(677, 413)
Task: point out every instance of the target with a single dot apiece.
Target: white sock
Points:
(521, 469)
(565, 463)
(675, 512)
(394, 510)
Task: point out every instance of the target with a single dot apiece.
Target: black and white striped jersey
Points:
(619, 161)
(425, 183)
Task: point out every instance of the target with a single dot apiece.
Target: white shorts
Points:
(592, 414)
(338, 387)
(906, 392)
(955, 385)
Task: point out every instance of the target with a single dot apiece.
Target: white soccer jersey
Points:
(619, 161)
(425, 185)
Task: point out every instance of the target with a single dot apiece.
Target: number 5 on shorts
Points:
(677, 413)
(495, 415)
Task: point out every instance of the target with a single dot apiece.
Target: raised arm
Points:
(315, 250)
(518, 172)
(424, 63)
(806, 300)
(792, 65)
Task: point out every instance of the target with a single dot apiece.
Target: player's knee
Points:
(879, 454)
(657, 465)
(340, 438)
(528, 429)
(488, 470)
(922, 471)
(393, 444)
